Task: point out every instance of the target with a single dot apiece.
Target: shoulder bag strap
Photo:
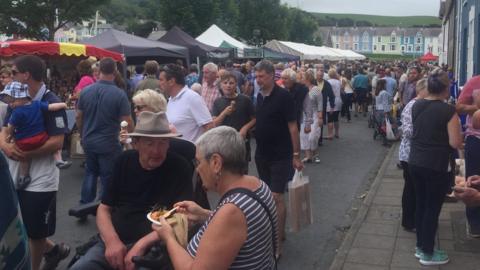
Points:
(254, 196)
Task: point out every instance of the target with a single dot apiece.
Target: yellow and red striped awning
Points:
(23, 47)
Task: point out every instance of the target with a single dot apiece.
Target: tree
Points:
(227, 18)
(120, 11)
(141, 29)
(41, 19)
(266, 16)
(193, 16)
(301, 26)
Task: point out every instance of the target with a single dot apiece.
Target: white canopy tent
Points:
(310, 52)
(348, 54)
(216, 37)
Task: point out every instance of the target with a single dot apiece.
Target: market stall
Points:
(48, 48)
(61, 60)
(216, 37)
(196, 48)
(136, 49)
(310, 52)
(428, 58)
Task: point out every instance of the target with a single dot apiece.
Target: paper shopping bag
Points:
(389, 129)
(76, 150)
(299, 202)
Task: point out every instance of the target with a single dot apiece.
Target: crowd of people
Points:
(168, 134)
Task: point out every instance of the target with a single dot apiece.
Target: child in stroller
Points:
(383, 107)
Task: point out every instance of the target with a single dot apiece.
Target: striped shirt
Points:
(257, 251)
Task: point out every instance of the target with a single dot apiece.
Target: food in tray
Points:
(157, 214)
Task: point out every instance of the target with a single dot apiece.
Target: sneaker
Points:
(63, 164)
(54, 256)
(437, 258)
(316, 159)
(419, 252)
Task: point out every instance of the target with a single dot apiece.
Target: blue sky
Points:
(372, 7)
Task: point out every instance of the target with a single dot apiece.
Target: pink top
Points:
(466, 97)
(84, 82)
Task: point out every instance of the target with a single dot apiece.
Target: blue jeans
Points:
(97, 165)
(472, 167)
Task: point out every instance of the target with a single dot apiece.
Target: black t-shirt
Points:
(244, 110)
(298, 92)
(133, 192)
(273, 114)
(430, 146)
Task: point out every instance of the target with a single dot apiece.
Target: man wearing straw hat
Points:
(147, 176)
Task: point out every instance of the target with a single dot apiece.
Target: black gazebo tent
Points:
(196, 48)
(137, 49)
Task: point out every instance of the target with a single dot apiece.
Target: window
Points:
(365, 37)
(409, 48)
(418, 38)
(374, 47)
(383, 48)
(417, 48)
(337, 45)
(355, 47)
(393, 47)
(393, 39)
(407, 40)
(379, 39)
(355, 38)
(403, 48)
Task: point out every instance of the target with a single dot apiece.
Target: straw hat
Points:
(150, 124)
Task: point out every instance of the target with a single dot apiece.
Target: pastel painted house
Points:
(382, 40)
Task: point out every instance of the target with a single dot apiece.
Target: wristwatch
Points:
(296, 154)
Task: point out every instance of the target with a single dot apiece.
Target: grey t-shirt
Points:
(102, 105)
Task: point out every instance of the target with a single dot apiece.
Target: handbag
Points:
(299, 202)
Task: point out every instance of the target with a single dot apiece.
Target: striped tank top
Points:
(257, 251)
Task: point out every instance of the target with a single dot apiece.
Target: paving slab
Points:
(377, 240)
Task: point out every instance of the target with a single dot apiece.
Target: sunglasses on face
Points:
(139, 107)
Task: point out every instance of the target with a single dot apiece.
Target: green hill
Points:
(325, 19)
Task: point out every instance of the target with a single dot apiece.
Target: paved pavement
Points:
(376, 240)
(348, 167)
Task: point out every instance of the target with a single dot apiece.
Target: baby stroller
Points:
(379, 127)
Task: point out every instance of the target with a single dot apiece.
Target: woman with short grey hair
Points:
(242, 231)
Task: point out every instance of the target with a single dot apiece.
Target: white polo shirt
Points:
(188, 112)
